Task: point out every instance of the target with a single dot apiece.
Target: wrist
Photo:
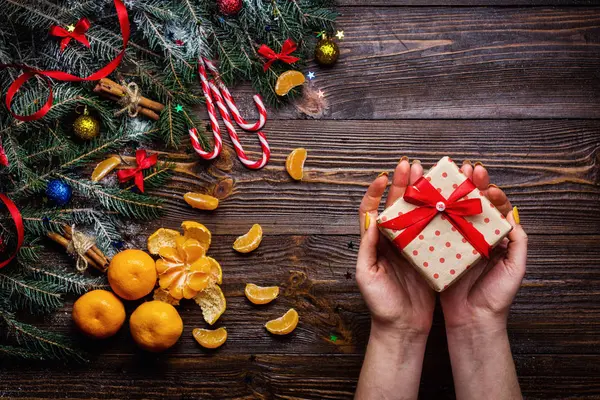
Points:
(393, 335)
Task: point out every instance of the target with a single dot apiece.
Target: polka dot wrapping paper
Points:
(440, 252)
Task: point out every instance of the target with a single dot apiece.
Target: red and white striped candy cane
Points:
(210, 90)
(239, 149)
(207, 155)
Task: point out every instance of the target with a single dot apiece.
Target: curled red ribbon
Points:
(288, 48)
(18, 220)
(430, 203)
(78, 34)
(63, 76)
(143, 162)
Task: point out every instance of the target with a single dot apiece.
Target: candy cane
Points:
(210, 90)
(262, 111)
(239, 149)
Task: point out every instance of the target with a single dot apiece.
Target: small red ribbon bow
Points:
(78, 34)
(18, 220)
(143, 162)
(430, 203)
(288, 47)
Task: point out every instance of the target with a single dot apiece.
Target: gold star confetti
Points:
(340, 35)
(320, 94)
(71, 28)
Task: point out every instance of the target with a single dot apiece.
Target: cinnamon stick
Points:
(146, 112)
(94, 251)
(65, 243)
(115, 89)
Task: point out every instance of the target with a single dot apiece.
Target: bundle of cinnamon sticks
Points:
(113, 91)
(93, 256)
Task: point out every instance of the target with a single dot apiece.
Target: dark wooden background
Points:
(514, 84)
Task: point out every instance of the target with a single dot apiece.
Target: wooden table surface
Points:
(514, 84)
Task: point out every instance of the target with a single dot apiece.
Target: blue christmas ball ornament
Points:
(59, 192)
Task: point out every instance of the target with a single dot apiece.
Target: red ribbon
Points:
(288, 47)
(16, 217)
(143, 162)
(63, 76)
(78, 34)
(3, 157)
(430, 203)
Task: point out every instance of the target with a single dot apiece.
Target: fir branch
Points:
(19, 353)
(38, 296)
(66, 281)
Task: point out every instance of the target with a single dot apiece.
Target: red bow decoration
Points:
(143, 162)
(18, 220)
(288, 48)
(63, 76)
(430, 203)
(78, 34)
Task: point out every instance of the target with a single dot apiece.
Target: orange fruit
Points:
(132, 274)
(250, 241)
(287, 81)
(155, 326)
(201, 201)
(210, 339)
(212, 302)
(285, 324)
(99, 314)
(105, 167)
(261, 294)
(294, 164)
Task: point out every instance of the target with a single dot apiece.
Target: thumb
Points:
(516, 256)
(367, 253)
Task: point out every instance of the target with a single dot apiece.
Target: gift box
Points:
(443, 224)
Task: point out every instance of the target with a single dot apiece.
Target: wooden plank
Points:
(274, 377)
(550, 169)
(403, 62)
(556, 310)
(341, 4)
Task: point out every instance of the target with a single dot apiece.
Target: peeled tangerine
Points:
(285, 324)
(261, 294)
(201, 201)
(250, 241)
(213, 304)
(294, 164)
(287, 81)
(210, 339)
(105, 167)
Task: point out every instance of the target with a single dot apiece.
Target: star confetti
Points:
(179, 42)
(179, 108)
(320, 94)
(340, 35)
(333, 338)
(71, 28)
(310, 75)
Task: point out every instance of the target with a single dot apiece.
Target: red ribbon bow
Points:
(78, 34)
(430, 203)
(63, 76)
(143, 162)
(288, 47)
(18, 220)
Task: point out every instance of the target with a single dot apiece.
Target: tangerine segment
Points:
(195, 230)
(163, 237)
(201, 201)
(210, 339)
(105, 167)
(261, 294)
(250, 241)
(213, 303)
(99, 314)
(287, 81)
(294, 164)
(285, 324)
(215, 270)
(163, 295)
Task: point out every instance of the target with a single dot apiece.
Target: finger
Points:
(499, 199)
(481, 178)
(516, 256)
(367, 253)
(416, 171)
(467, 169)
(399, 182)
(372, 198)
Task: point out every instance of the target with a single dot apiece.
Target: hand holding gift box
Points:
(443, 224)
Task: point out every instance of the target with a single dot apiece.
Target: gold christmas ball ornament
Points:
(326, 52)
(86, 127)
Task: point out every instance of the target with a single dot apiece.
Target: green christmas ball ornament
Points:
(86, 127)
(327, 52)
